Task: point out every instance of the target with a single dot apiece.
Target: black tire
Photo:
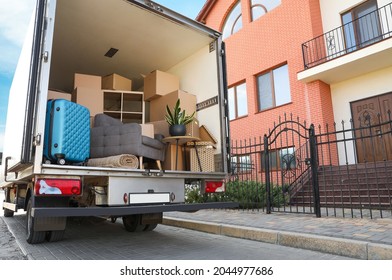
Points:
(33, 237)
(55, 235)
(8, 213)
(150, 227)
(132, 223)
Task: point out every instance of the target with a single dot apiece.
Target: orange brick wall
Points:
(270, 41)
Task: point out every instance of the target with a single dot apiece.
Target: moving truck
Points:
(101, 54)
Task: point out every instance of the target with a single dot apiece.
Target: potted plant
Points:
(177, 120)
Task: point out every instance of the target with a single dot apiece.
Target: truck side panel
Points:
(202, 67)
(17, 104)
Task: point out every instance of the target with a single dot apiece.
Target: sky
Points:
(14, 18)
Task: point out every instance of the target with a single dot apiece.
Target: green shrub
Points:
(249, 194)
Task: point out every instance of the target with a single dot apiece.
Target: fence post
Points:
(303, 55)
(314, 166)
(267, 174)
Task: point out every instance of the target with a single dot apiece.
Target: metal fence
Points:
(343, 170)
(352, 36)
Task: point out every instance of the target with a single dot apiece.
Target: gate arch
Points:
(290, 164)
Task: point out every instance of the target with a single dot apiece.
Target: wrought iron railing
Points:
(371, 28)
(341, 170)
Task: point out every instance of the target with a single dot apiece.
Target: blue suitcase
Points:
(67, 132)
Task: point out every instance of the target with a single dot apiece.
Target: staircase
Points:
(350, 186)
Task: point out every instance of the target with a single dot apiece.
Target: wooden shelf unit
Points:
(127, 106)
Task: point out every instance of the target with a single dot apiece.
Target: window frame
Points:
(278, 158)
(235, 98)
(235, 20)
(273, 88)
(252, 6)
(241, 167)
(352, 26)
(264, 7)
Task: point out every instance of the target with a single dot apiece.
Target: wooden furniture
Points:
(126, 106)
(180, 141)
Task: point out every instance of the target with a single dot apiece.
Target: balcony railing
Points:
(371, 28)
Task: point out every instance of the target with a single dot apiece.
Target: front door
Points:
(370, 117)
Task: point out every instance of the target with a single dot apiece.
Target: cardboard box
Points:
(90, 98)
(87, 81)
(159, 83)
(158, 106)
(116, 82)
(206, 136)
(192, 129)
(54, 94)
(170, 158)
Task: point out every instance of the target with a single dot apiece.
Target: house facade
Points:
(322, 61)
(356, 63)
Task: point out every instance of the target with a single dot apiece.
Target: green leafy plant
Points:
(249, 195)
(177, 116)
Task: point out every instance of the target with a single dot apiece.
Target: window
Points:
(241, 163)
(233, 21)
(261, 7)
(361, 25)
(273, 88)
(238, 101)
(281, 159)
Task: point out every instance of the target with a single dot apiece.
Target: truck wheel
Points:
(150, 227)
(8, 213)
(132, 223)
(55, 235)
(33, 237)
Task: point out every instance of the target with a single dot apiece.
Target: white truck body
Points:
(72, 36)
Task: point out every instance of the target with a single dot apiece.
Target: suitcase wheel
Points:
(60, 159)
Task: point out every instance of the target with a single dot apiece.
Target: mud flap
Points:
(49, 223)
(152, 218)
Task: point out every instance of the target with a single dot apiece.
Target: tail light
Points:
(215, 186)
(57, 187)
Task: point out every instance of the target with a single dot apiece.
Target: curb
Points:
(331, 245)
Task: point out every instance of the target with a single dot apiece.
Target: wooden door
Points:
(369, 116)
(385, 102)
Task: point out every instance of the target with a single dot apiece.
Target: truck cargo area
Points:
(86, 30)
(86, 132)
(134, 42)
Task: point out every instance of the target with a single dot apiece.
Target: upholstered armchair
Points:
(110, 137)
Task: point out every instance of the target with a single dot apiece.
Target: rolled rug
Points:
(124, 161)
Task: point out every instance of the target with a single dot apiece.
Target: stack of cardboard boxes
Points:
(88, 90)
(161, 89)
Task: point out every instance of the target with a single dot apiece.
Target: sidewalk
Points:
(350, 237)
(9, 248)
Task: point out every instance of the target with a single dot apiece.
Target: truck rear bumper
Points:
(128, 210)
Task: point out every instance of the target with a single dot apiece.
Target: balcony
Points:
(355, 48)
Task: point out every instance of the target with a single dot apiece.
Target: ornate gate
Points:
(289, 160)
(294, 168)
